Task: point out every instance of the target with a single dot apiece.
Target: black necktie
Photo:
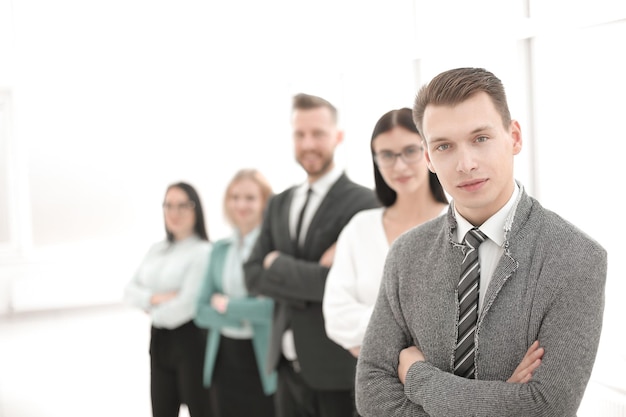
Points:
(468, 289)
(301, 217)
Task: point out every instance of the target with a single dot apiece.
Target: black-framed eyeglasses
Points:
(410, 155)
(170, 208)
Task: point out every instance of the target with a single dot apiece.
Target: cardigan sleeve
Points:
(251, 309)
(569, 333)
(567, 306)
(256, 310)
(206, 316)
(378, 390)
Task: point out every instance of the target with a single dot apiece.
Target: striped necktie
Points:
(468, 289)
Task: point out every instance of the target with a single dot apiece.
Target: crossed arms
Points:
(404, 368)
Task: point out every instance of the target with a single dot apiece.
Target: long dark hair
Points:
(404, 118)
(198, 228)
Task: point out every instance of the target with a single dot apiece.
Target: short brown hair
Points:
(303, 101)
(248, 174)
(457, 85)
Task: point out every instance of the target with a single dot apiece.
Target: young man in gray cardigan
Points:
(540, 290)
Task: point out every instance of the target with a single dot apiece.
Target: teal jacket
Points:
(257, 311)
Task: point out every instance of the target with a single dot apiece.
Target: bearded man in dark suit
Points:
(290, 262)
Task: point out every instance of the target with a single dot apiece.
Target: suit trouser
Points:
(237, 381)
(294, 397)
(176, 365)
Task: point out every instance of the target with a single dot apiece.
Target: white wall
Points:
(112, 101)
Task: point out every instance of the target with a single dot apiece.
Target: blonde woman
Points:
(239, 324)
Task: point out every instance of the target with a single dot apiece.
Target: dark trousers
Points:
(176, 365)
(237, 381)
(294, 397)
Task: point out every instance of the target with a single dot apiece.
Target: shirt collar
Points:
(248, 240)
(186, 241)
(494, 227)
(323, 184)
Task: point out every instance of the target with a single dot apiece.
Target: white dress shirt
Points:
(233, 283)
(320, 189)
(490, 251)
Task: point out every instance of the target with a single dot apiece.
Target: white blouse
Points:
(354, 278)
(170, 266)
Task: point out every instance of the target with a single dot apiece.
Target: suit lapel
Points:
(508, 264)
(284, 220)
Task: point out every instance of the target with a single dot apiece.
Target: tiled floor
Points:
(94, 362)
(85, 362)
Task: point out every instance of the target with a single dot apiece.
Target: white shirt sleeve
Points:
(354, 278)
(182, 308)
(179, 267)
(136, 293)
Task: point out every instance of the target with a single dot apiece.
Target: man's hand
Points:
(531, 361)
(219, 302)
(408, 356)
(270, 258)
(328, 256)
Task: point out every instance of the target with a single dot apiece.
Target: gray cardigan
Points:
(548, 286)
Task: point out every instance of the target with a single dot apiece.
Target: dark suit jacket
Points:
(297, 284)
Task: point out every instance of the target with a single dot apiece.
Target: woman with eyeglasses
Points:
(239, 324)
(410, 195)
(166, 287)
